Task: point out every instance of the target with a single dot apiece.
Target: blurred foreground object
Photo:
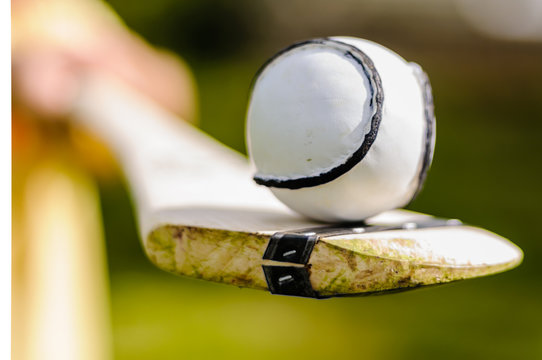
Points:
(55, 42)
(61, 308)
(60, 296)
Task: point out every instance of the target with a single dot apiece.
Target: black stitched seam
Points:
(376, 104)
(429, 114)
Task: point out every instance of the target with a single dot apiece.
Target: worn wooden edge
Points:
(339, 271)
(235, 258)
(229, 257)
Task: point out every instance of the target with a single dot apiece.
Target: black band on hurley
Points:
(288, 272)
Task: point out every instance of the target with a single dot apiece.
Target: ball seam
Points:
(376, 104)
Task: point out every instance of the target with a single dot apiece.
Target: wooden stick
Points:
(201, 215)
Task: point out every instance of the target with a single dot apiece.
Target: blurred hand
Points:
(56, 42)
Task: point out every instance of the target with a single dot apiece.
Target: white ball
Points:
(341, 128)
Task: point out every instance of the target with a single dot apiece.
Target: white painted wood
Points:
(461, 246)
(177, 174)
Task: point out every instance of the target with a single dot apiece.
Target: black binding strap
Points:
(289, 280)
(375, 103)
(295, 247)
(290, 247)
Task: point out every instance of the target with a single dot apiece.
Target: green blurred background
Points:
(486, 171)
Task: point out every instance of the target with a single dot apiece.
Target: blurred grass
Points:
(486, 171)
(188, 319)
